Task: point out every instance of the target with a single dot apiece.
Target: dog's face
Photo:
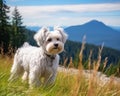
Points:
(52, 42)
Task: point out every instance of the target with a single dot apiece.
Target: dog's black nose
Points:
(56, 45)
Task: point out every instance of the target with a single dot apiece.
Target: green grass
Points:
(65, 85)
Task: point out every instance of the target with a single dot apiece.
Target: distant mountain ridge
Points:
(33, 28)
(96, 33)
(116, 28)
(36, 28)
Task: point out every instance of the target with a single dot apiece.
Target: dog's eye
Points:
(49, 40)
(58, 39)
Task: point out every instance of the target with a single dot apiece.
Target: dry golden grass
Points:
(92, 86)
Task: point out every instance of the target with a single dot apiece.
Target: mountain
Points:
(36, 28)
(96, 33)
(33, 28)
(116, 28)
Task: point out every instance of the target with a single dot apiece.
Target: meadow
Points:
(66, 83)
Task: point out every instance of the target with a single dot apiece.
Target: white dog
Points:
(39, 62)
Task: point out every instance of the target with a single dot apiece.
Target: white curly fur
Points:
(37, 62)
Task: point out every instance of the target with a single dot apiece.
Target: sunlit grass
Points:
(66, 84)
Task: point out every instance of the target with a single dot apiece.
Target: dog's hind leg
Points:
(16, 70)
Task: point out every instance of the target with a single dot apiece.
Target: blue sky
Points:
(67, 12)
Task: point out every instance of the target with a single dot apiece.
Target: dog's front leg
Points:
(49, 79)
(34, 79)
(25, 76)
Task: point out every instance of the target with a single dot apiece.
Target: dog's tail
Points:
(26, 44)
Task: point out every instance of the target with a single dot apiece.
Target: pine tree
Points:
(4, 26)
(18, 35)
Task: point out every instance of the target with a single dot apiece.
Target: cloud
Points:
(50, 15)
(72, 8)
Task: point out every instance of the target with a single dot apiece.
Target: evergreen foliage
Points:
(18, 30)
(12, 34)
(72, 49)
(4, 26)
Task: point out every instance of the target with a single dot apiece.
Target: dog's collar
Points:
(52, 57)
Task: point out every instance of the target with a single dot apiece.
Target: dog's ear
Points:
(40, 36)
(63, 34)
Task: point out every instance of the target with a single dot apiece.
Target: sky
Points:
(66, 12)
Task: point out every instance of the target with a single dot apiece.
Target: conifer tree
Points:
(18, 35)
(4, 26)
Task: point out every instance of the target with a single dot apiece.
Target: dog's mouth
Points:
(55, 48)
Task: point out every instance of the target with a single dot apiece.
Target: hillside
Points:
(112, 54)
(96, 33)
(72, 49)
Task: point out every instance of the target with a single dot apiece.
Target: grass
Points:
(66, 84)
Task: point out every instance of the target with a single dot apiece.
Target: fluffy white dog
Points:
(39, 62)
